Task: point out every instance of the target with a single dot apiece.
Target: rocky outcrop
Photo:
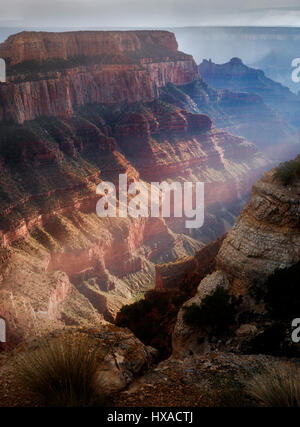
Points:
(189, 339)
(109, 68)
(153, 319)
(194, 381)
(121, 357)
(264, 239)
(266, 235)
(173, 275)
(41, 46)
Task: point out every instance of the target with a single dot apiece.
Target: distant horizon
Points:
(153, 27)
(265, 47)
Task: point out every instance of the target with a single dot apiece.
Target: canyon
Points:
(265, 238)
(263, 244)
(79, 108)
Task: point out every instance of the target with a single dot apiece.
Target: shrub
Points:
(217, 311)
(63, 372)
(287, 172)
(277, 386)
(135, 311)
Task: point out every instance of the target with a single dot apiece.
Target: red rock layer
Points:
(44, 45)
(120, 79)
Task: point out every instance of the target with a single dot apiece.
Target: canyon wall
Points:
(63, 131)
(42, 46)
(265, 239)
(266, 235)
(112, 67)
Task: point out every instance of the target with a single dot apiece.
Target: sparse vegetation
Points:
(288, 172)
(277, 386)
(216, 312)
(142, 317)
(135, 310)
(34, 66)
(63, 372)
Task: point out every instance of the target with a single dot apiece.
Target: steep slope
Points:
(264, 242)
(266, 235)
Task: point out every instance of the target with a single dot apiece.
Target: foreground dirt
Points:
(214, 379)
(11, 391)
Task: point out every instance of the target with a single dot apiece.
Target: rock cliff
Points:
(264, 240)
(57, 73)
(41, 46)
(265, 236)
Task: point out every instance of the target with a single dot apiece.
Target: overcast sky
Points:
(148, 13)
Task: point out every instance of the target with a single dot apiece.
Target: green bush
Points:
(63, 372)
(288, 172)
(217, 311)
(136, 310)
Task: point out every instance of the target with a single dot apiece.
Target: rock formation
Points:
(264, 239)
(245, 114)
(270, 104)
(57, 73)
(78, 109)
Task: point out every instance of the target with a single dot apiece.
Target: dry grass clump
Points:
(277, 386)
(63, 372)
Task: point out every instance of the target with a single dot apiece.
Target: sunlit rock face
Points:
(43, 46)
(73, 123)
(75, 69)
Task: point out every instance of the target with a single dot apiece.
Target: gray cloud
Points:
(146, 13)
